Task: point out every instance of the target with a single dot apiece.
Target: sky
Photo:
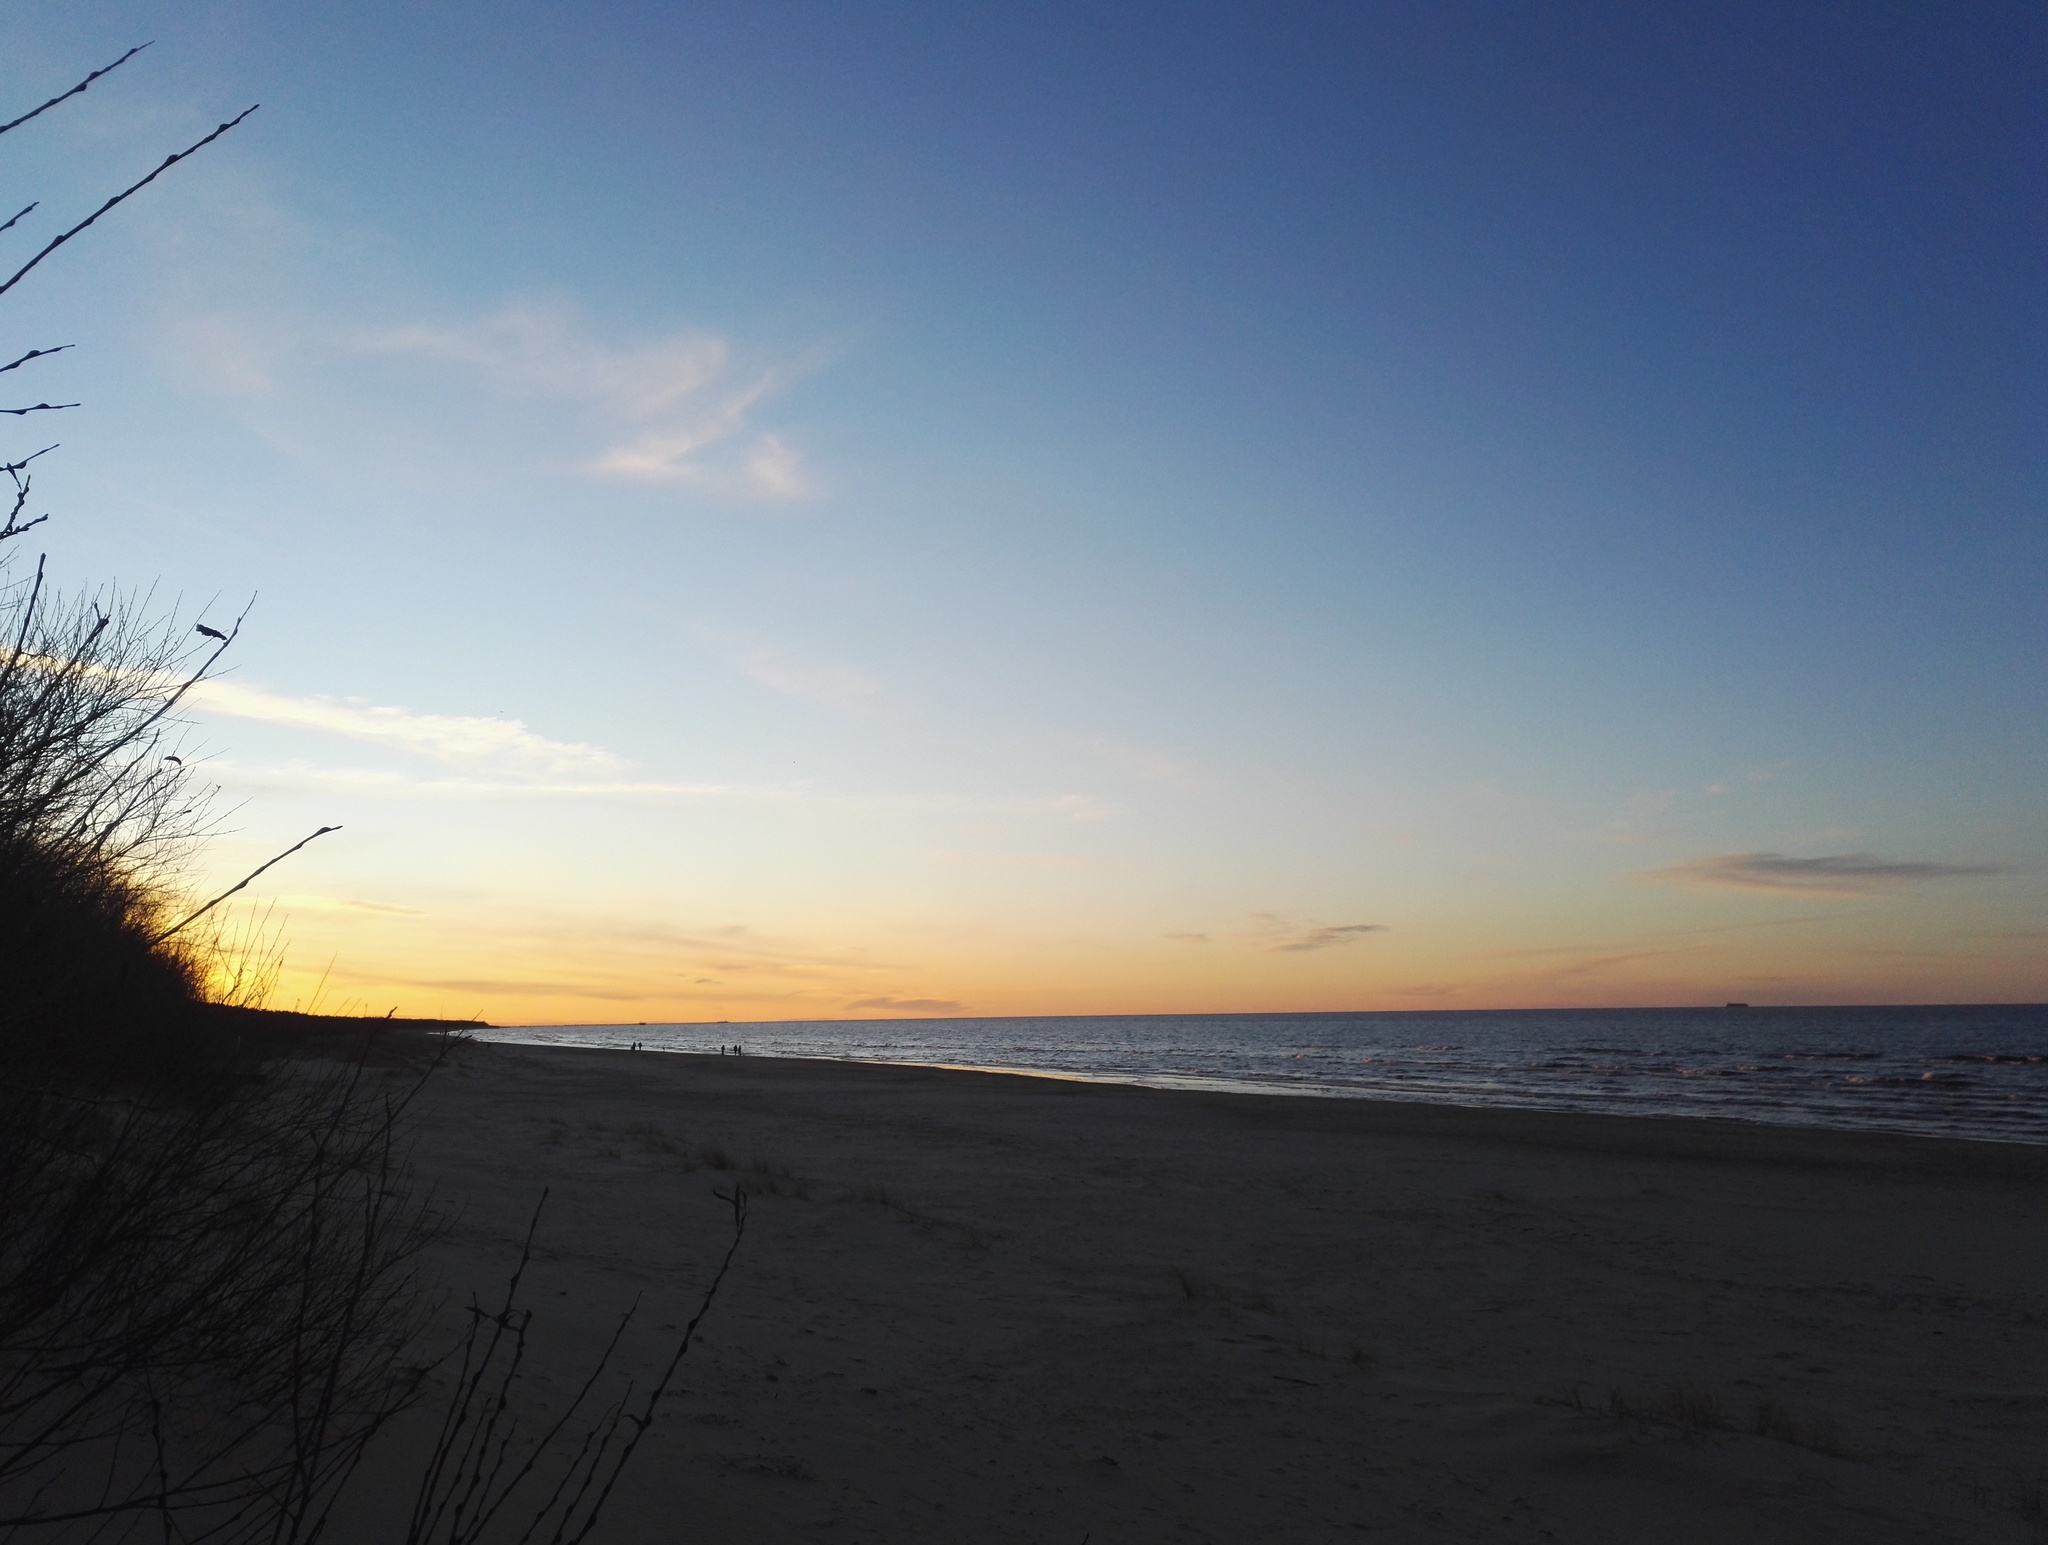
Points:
(765, 511)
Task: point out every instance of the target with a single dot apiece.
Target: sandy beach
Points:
(994, 1308)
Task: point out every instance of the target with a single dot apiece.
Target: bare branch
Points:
(14, 524)
(39, 407)
(64, 96)
(32, 353)
(17, 215)
(169, 162)
(165, 708)
(223, 896)
(737, 1200)
(28, 617)
(470, 1477)
(12, 467)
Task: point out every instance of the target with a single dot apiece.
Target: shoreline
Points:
(1547, 1125)
(1630, 1008)
(1195, 1085)
(1018, 1309)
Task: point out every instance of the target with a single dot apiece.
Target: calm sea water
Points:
(1970, 1071)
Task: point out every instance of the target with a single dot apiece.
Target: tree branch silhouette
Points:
(66, 96)
(32, 353)
(194, 917)
(169, 161)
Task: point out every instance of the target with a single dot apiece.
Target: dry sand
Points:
(976, 1307)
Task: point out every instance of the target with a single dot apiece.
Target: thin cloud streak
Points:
(1834, 875)
(1327, 938)
(381, 783)
(678, 408)
(345, 906)
(819, 681)
(440, 737)
(519, 764)
(1275, 935)
(792, 673)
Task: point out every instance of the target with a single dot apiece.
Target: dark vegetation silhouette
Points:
(212, 1289)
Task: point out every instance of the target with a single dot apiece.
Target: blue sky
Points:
(1037, 508)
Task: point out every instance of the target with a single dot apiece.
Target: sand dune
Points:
(985, 1308)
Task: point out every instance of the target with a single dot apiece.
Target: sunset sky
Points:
(767, 511)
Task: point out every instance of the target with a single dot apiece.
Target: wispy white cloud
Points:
(779, 670)
(497, 760)
(675, 410)
(794, 674)
(505, 743)
(1836, 874)
(544, 350)
(774, 471)
(389, 783)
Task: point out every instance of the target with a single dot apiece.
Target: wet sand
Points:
(978, 1307)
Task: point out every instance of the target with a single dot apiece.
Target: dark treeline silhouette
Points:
(211, 1281)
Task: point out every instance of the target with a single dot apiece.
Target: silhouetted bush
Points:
(207, 1260)
(97, 812)
(210, 1288)
(97, 804)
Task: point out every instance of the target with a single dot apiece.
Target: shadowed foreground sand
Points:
(986, 1308)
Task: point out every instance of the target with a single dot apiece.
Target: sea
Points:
(1976, 1071)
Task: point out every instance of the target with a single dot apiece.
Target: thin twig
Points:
(32, 353)
(13, 467)
(28, 614)
(738, 1200)
(141, 731)
(169, 162)
(453, 1451)
(74, 91)
(15, 525)
(223, 896)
